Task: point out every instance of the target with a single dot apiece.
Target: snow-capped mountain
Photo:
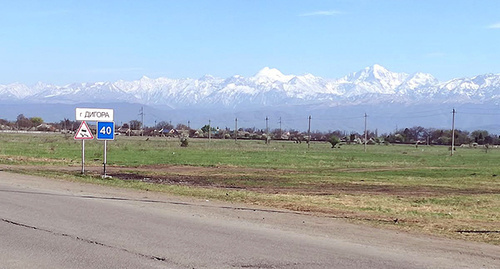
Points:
(375, 79)
(269, 89)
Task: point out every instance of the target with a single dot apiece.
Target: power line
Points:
(486, 114)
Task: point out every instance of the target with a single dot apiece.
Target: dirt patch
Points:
(175, 179)
(269, 185)
(269, 181)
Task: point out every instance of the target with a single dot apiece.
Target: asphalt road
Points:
(46, 223)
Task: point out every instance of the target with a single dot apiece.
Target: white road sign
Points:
(84, 132)
(94, 114)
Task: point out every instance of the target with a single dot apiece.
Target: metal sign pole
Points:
(105, 131)
(83, 156)
(104, 163)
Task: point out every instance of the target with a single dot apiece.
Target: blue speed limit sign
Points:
(105, 130)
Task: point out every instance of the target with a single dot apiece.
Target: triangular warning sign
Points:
(84, 132)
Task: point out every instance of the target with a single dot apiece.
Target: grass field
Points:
(399, 186)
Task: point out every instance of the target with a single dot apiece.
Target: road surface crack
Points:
(165, 202)
(152, 257)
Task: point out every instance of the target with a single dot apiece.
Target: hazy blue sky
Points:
(86, 41)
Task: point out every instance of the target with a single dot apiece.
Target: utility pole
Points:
(267, 125)
(142, 120)
(309, 133)
(235, 130)
(453, 133)
(280, 129)
(366, 133)
(209, 131)
(267, 130)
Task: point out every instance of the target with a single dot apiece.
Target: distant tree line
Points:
(441, 136)
(23, 123)
(414, 135)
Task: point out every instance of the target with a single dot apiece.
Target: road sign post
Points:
(105, 131)
(83, 133)
(105, 128)
(83, 157)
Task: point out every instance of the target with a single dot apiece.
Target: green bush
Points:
(334, 140)
(184, 142)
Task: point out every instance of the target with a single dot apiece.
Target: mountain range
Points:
(372, 90)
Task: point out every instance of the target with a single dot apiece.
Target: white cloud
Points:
(321, 13)
(495, 26)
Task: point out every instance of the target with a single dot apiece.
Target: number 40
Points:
(106, 130)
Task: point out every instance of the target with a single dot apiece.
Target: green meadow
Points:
(419, 189)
